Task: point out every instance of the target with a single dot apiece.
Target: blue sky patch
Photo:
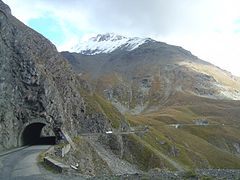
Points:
(49, 27)
(237, 28)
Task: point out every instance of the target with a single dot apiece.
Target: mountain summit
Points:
(140, 75)
(107, 43)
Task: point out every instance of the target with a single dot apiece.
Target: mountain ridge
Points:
(107, 43)
(139, 70)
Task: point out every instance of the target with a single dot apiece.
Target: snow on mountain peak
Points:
(107, 37)
(107, 43)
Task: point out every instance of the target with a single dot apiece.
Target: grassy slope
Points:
(195, 147)
(96, 103)
(109, 110)
(189, 146)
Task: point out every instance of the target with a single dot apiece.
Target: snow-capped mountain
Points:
(172, 70)
(107, 43)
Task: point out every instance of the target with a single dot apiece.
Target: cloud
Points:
(221, 49)
(141, 17)
(210, 29)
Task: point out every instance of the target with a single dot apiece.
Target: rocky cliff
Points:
(37, 84)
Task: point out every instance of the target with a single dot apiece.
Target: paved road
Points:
(23, 165)
(114, 133)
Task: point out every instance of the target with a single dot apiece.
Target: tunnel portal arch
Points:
(31, 134)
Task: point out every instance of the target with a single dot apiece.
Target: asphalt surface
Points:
(23, 165)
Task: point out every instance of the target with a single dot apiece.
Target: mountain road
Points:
(23, 164)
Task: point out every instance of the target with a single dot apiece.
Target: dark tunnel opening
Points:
(32, 135)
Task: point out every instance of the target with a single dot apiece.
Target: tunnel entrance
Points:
(33, 135)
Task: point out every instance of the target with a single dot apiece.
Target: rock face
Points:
(5, 8)
(38, 85)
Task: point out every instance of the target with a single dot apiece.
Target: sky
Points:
(210, 29)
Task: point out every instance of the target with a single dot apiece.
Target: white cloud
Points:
(207, 28)
(221, 49)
